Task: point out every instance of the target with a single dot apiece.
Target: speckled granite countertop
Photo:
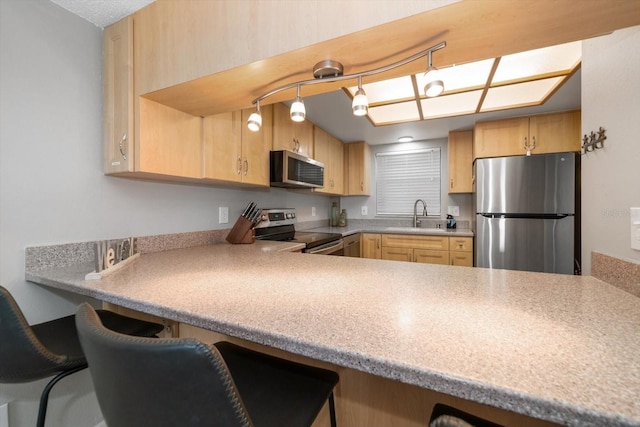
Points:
(560, 348)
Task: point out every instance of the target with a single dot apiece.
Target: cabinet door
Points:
(256, 147)
(358, 169)
(464, 259)
(330, 151)
(463, 244)
(415, 241)
(556, 133)
(290, 135)
(500, 137)
(371, 246)
(222, 146)
(428, 256)
(118, 97)
(460, 162)
(397, 254)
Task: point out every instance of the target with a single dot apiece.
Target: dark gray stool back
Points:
(184, 382)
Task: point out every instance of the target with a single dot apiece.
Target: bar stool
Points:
(30, 353)
(171, 382)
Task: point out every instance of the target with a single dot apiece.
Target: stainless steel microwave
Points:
(292, 170)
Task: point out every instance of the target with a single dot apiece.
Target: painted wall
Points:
(463, 201)
(52, 189)
(611, 176)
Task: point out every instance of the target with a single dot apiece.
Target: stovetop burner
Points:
(278, 224)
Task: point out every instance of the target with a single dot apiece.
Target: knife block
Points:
(242, 232)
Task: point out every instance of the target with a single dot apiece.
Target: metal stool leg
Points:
(332, 410)
(44, 397)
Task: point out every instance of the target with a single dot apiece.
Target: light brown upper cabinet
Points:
(358, 169)
(290, 135)
(460, 162)
(232, 153)
(330, 151)
(143, 138)
(551, 133)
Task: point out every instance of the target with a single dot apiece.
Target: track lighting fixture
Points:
(298, 111)
(331, 71)
(434, 85)
(255, 119)
(360, 104)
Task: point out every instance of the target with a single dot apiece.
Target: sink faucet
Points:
(415, 212)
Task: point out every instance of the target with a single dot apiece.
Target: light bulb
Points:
(255, 121)
(297, 111)
(434, 86)
(360, 104)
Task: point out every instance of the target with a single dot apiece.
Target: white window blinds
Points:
(404, 177)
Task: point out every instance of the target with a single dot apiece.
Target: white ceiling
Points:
(332, 111)
(102, 13)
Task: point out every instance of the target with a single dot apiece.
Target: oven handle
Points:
(327, 249)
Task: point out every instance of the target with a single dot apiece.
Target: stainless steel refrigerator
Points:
(526, 213)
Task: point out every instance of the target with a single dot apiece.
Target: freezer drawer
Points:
(529, 244)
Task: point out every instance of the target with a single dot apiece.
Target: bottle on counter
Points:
(342, 219)
(333, 218)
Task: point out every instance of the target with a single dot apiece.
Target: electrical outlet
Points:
(453, 210)
(223, 215)
(635, 228)
(313, 211)
(364, 211)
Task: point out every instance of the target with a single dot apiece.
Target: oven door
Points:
(335, 247)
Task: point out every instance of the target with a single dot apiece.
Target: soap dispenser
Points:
(451, 221)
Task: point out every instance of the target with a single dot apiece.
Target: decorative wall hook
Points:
(593, 141)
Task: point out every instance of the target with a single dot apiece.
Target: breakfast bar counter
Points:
(564, 349)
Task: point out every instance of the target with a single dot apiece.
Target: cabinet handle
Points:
(362, 186)
(246, 166)
(451, 183)
(378, 243)
(121, 145)
(239, 169)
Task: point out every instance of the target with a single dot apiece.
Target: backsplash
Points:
(618, 272)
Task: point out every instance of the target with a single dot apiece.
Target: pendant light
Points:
(360, 105)
(434, 85)
(255, 119)
(332, 71)
(298, 111)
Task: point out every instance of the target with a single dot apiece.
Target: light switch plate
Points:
(223, 215)
(313, 211)
(453, 210)
(364, 211)
(635, 228)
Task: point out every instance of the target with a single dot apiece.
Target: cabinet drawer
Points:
(463, 244)
(397, 254)
(464, 259)
(431, 257)
(417, 242)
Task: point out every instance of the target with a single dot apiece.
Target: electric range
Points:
(279, 225)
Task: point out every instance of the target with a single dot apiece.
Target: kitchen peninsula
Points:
(558, 348)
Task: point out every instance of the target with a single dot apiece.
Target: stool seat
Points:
(185, 382)
(32, 352)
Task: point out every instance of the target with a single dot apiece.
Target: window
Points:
(406, 176)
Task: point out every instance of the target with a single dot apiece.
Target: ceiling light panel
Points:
(524, 65)
(520, 95)
(400, 88)
(394, 113)
(468, 76)
(451, 105)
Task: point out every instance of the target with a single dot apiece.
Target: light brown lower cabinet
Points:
(371, 246)
(442, 250)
